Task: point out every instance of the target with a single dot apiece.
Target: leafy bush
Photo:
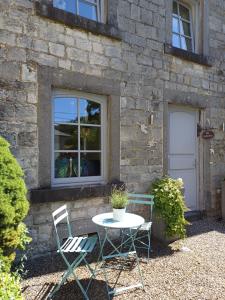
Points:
(169, 204)
(9, 285)
(119, 198)
(13, 206)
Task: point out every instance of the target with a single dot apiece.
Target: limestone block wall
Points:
(149, 80)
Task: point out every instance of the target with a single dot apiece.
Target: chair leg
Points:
(149, 243)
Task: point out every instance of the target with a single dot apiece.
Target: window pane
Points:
(90, 138)
(175, 25)
(65, 110)
(90, 164)
(66, 137)
(87, 10)
(175, 9)
(176, 40)
(185, 28)
(186, 43)
(184, 12)
(67, 5)
(90, 112)
(66, 165)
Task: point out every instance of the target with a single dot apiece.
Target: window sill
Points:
(66, 194)
(187, 55)
(75, 21)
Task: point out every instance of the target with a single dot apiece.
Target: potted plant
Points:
(119, 201)
(169, 223)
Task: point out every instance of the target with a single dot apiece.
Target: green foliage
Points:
(13, 205)
(119, 198)
(9, 284)
(169, 204)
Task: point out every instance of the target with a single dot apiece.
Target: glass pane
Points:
(184, 12)
(185, 28)
(186, 43)
(176, 40)
(66, 137)
(66, 165)
(87, 10)
(65, 110)
(90, 164)
(175, 25)
(90, 112)
(90, 138)
(175, 9)
(66, 5)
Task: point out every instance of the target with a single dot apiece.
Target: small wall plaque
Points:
(207, 134)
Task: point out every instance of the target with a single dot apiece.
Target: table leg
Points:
(117, 253)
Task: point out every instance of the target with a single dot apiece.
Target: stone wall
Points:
(149, 80)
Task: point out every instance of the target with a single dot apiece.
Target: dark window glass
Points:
(90, 138)
(66, 165)
(66, 137)
(185, 28)
(90, 164)
(186, 43)
(175, 8)
(184, 12)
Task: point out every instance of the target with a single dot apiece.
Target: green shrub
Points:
(13, 205)
(169, 204)
(119, 198)
(10, 287)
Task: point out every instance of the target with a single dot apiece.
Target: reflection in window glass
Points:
(77, 137)
(90, 164)
(65, 110)
(90, 138)
(87, 10)
(181, 27)
(89, 112)
(66, 165)
(67, 5)
(66, 137)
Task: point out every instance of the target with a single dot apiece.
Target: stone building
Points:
(101, 91)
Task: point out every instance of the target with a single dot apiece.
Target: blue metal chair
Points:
(80, 245)
(145, 229)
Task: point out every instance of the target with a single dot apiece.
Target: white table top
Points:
(130, 221)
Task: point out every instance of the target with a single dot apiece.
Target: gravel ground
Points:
(189, 269)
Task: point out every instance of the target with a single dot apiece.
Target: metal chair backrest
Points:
(144, 199)
(59, 215)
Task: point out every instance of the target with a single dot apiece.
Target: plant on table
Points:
(119, 201)
(169, 204)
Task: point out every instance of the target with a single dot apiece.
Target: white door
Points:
(182, 157)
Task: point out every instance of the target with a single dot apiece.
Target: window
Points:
(89, 9)
(79, 126)
(182, 34)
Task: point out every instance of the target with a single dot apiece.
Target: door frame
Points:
(200, 116)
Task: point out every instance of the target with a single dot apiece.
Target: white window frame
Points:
(90, 179)
(99, 8)
(193, 12)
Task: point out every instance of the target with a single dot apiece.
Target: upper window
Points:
(89, 9)
(182, 34)
(78, 138)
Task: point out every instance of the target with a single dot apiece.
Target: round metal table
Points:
(130, 221)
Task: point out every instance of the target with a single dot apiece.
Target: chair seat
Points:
(145, 227)
(79, 244)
